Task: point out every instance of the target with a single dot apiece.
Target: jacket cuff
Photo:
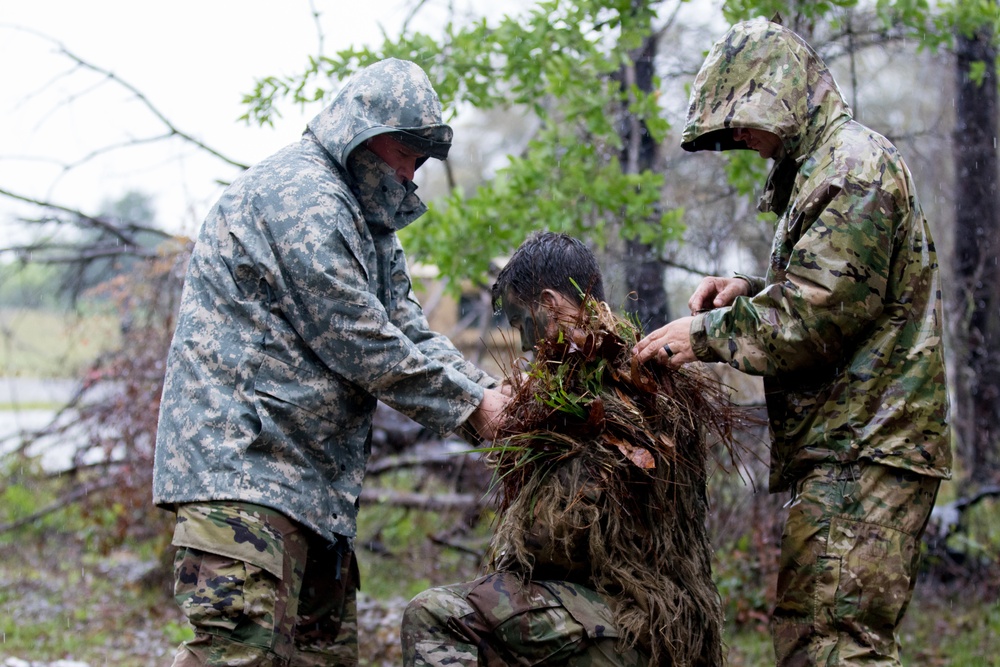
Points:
(699, 339)
(756, 283)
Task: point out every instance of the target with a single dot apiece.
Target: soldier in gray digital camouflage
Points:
(845, 329)
(601, 554)
(297, 317)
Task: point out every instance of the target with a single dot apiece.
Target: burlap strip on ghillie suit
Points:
(600, 476)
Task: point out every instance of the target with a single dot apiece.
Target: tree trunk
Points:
(644, 269)
(976, 410)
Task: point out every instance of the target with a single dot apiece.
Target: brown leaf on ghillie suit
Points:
(600, 474)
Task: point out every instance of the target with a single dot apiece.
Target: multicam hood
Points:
(389, 96)
(763, 76)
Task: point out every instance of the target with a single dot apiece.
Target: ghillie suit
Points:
(601, 473)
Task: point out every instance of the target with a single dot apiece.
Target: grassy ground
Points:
(72, 588)
(45, 344)
(61, 598)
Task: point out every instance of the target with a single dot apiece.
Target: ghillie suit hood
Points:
(601, 478)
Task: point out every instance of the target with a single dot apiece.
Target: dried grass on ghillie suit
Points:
(600, 471)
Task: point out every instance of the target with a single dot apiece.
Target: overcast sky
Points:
(193, 59)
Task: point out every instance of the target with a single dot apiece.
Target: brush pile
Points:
(600, 475)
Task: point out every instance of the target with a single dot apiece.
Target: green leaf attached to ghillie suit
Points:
(600, 473)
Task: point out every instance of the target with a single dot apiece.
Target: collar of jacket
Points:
(781, 179)
(387, 204)
(778, 189)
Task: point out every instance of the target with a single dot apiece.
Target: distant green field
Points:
(49, 344)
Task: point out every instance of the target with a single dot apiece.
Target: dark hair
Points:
(550, 260)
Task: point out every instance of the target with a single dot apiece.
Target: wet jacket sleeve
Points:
(839, 243)
(325, 292)
(409, 317)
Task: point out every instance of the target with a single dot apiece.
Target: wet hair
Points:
(550, 260)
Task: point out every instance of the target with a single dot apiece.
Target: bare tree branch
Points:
(417, 6)
(172, 130)
(436, 502)
(124, 231)
(58, 504)
(320, 36)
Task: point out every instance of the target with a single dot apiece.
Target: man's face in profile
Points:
(541, 319)
(402, 159)
(523, 318)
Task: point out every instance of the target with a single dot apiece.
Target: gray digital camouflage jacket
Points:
(846, 326)
(298, 315)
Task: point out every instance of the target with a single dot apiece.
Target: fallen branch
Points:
(60, 503)
(413, 460)
(946, 520)
(436, 502)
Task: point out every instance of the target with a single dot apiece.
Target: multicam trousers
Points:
(260, 590)
(849, 557)
(498, 620)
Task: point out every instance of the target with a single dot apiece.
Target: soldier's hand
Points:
(670, 344)
(715, 292)
(487, 417)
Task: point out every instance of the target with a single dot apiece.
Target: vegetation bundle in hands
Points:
(600, 473)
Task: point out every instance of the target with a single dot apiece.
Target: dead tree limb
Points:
(428, 502)
(58, 504)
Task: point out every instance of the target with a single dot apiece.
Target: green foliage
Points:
(18, 501)
(746, 172)
(560, 60)
(738, 10)
(748, 647)
(934, 24)
(25, 490)
(740, 573)
(178, 632)
(970, 16)
(980, 539)
(977, 72)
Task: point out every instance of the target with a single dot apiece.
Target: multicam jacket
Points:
(298, 315)
(846, 326)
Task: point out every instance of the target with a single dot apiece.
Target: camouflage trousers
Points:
(261, 590)
(499, 620)
(849, 557)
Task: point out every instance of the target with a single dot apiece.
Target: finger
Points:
(646, 347)
(734, 289)
(653, 347)
(707, 289)
(699, 299)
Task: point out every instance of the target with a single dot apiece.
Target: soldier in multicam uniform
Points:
(297, 317)
(846, 331)
(598, 558)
